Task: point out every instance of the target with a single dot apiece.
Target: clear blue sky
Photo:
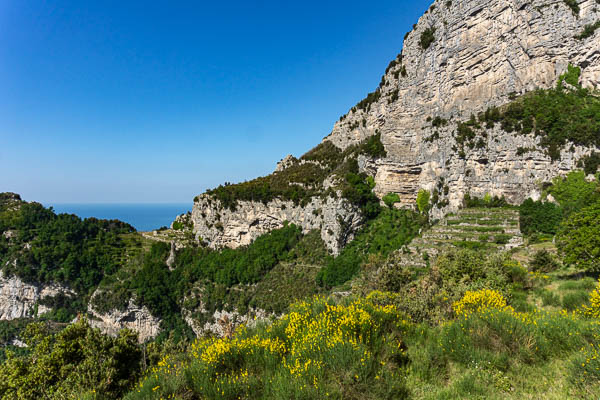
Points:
(156, 101)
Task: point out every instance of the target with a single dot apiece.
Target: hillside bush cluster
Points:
(486, 201)
(59, 248)
(572, 193)
(427, 38)
(302, 181)
(391, 230)
(320, 349)
(77, 362)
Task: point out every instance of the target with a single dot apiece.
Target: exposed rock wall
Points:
(484, 53)
(221, 227)
(133, 317)
(19, 299)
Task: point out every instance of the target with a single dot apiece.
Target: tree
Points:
(390, 199)
(73, 363)
(539, 217)
(423, 201)
(579, 238)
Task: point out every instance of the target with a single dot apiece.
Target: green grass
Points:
(573, 300)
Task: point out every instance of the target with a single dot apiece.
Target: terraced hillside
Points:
(475, 228)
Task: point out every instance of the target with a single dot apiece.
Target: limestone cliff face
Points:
(336, 218)
(134, 317)
(483, 53)
(19, 299)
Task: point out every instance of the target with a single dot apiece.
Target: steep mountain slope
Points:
(462, 58)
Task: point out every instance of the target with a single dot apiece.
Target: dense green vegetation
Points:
(579, 238)
(486, 201)
(571, 193)
(78, 362)
(58, 248)
(391, 230)
(390, 199)
(590, 163)
(539, 217)
(302, 181)
(557, 116)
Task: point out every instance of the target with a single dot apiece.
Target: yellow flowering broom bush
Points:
(489, 331)
(321, 349)
(478, 301)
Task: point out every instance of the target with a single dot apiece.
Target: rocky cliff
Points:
(219, 226)
(481, 54)
(19, 299)
(134, 317)
(460, 59)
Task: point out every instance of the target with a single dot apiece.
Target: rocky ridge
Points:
(484, 53)
(219, 227)
(480, 54)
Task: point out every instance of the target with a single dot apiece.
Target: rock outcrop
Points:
(219, 227)
(19, 299)
(483, 54)
(133, 317)
(462, 57)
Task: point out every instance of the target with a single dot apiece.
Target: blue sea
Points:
(143, 217)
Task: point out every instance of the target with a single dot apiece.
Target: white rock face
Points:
(134, 317)
(484, 51)
(221, 227)
(18, 299)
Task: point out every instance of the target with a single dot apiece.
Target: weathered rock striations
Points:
(134, 317)
(19, 299)
(218, 226)
(483, 54)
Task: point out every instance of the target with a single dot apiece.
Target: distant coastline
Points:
(143, 216)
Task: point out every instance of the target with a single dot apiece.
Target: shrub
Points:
(76, 361)
(593, 310)
(574, 192)
(571, 76)
(423, 201)
(427, 38)
(573, 5)
(543, 261)
(479, 301)
(486, 202)
(373, 147)
(574, 300)
(390, 199)
(579, 238)
(539, 217)
(320, 349)
(588, 30)
(549, 298)
(590, 163)
(585, 367)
